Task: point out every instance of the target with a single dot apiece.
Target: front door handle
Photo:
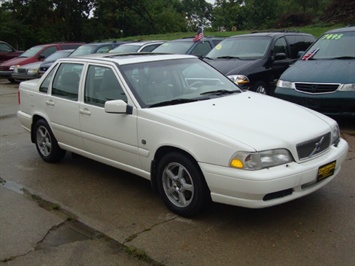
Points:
(85, 111)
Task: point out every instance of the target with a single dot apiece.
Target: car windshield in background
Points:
(241, 48)
(84, 50)
(57, 55)
(125, 49)
(31, 52)
(333, 46)
(178, 47)
(171, 82)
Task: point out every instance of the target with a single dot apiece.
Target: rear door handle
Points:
(50, 103)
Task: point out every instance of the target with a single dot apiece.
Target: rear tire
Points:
(46, 143)
(182, 185)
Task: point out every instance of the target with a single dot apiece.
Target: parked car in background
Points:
(36, 70)
(146, 46)
(324, 78)
(255, 61)
(188, 46)
(34, 54)
(180, 123)
(95, 48)
(7, 51)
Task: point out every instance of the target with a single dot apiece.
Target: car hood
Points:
(231, 66)
(19, 61)
(258, 121)
(322, 71)
(34, 65)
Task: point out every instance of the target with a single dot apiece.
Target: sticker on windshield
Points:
(332, 36)
(218, 47)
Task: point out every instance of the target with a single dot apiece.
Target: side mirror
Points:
(41, 57)
(118, 107)
(280, 56)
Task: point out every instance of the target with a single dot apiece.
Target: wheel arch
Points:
(160, 153)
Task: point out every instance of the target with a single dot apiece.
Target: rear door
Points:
(62, 106)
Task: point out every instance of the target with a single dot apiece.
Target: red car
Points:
(34, 54)
(7, 52)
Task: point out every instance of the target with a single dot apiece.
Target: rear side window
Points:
(66, 81)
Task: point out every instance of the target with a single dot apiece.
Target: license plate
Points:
(326, 171)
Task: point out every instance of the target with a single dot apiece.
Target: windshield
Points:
(168, 82)
(241, 47)
(178, 47)
(84, 50)
(57, 55)
(332, 46)
(32, 51)
(125, 49)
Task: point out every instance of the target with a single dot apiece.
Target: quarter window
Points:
(280, 47)
(66, 81)
(46, 82)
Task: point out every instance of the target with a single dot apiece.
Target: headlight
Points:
(239, 79)
(260, 160)
(335, 135)
(285, 84)
(14, 67)
(32, 71)
(347, 87)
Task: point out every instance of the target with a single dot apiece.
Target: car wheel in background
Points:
(261, 87)
(182, 185)
(46, 143)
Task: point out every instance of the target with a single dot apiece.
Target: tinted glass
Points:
(243, 47)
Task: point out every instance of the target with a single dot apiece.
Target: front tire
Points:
(46, 143)
(182, 185)
(261, 87)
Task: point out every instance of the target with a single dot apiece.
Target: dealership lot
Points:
(316, 230)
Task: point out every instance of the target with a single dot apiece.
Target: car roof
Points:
(130, 58)
(349, 28)
(191, 39)
(269, 34)
(142, 43)
(103, 43)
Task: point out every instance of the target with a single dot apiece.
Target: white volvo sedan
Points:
(178, 122)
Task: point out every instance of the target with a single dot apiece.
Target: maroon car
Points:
(34, 54)
(7, 52)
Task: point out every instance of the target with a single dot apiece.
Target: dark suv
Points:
(255, 61)
(34, 54)
(188, 46)
(7, 52)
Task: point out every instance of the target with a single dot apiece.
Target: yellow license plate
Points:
(326, 171)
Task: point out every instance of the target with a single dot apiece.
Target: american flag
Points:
(199, 35)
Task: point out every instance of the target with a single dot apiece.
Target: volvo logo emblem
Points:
(317, 147)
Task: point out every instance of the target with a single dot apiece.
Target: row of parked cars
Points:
(321, 76)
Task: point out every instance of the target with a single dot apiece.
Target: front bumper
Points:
(339, 103)
(273, 186)
(6, 73)
(21, 76)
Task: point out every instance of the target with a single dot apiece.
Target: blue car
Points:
(323, 79)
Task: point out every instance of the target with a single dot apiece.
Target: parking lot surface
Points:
(80, 212)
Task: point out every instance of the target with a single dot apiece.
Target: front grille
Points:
(310, 148)
(22, 70)
(316, 88)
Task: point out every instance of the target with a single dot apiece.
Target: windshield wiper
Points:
(219, 92)
(228, 57)
(344, 57)
(177, 101)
